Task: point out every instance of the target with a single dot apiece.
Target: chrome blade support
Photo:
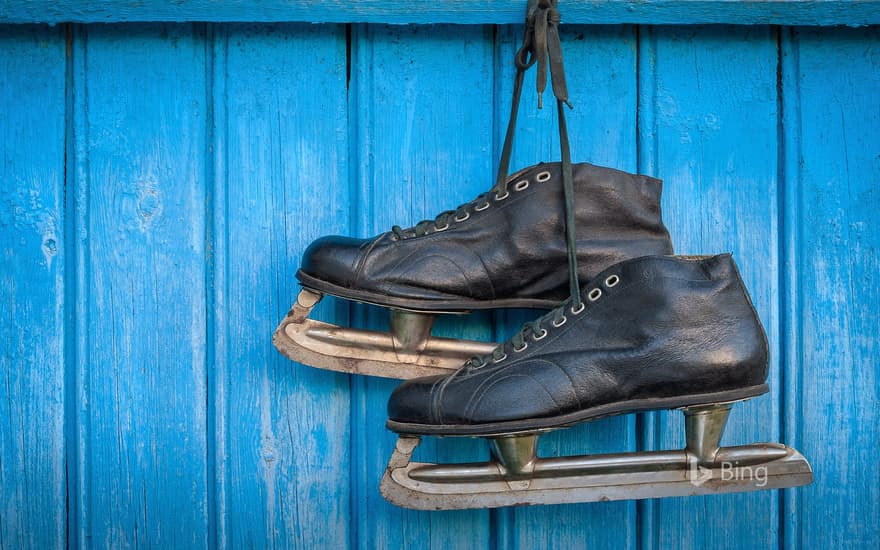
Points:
(408, 351)
(518, 476)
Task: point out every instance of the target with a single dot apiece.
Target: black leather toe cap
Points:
(334, 259)
(412, 400)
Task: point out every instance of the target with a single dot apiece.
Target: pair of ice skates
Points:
(647, 331)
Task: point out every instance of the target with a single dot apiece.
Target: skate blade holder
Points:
(408, 351)
(517, 476)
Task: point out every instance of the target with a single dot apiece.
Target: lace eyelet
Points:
(502, 197)
(562, 322)
(500, 359)
(541, 336)
(578, 310)
(438, 228)
(482, 207)
(612, 280)
(594, 294)
(524, 346)
(463, 218)
(520, 185)
(543, 176)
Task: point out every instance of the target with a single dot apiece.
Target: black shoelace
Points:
(541, 46)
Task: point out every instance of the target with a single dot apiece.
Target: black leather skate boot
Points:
(509, 246)
(518, 245)
(651, 333)
(657, 332)
(503, 249)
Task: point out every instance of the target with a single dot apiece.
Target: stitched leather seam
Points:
(570, 381)
(463, 274)
(435, 415)
(362, 261)
(475, 400)
(485, 272)
(490, 381)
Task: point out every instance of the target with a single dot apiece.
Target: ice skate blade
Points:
(595, 478)
(409, 351)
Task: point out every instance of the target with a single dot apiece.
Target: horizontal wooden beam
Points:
(682, 12)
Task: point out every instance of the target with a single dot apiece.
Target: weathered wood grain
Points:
(33, 332)
(712, 92)
(281, 123)
(786, 12)
(143, 442)
(150, 229)
(831, 86)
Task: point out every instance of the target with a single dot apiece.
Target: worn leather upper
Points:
(504, 248)
(670, 326)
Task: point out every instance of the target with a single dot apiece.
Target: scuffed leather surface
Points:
(514, 249)
(670, 327)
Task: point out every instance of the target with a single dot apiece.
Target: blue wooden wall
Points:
(159, 182)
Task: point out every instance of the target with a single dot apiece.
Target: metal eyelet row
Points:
(594, 295)
(457, 218)
(500, 359)
(610, 282)
(518, 186)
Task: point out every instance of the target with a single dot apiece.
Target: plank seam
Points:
(647, 425)
(80, 258)
(357, 475)
(790, 282)
(782, 223)
(211, 321)
(497, 518)
(71, 457)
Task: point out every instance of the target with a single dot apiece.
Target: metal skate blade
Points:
(408, 352)
(624, 476)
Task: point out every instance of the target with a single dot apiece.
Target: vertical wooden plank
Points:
(831, 82)
(286, 465)
(714, 142)
(32, 263)
(216, 295)
(600, 67)
(143, 286)
(423, 104)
